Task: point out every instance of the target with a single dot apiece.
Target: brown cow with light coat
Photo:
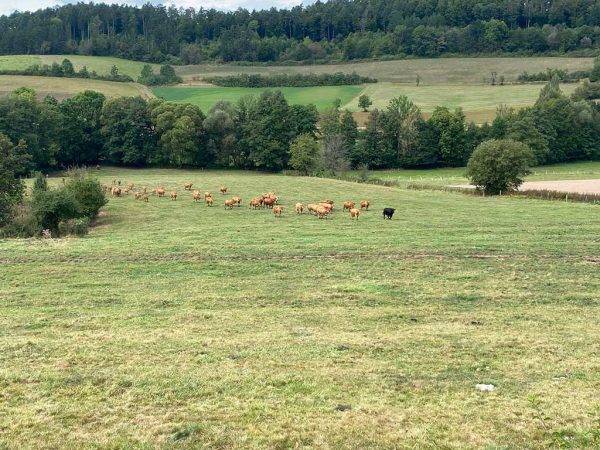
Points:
(277, 210)
(173, 196)
(354, 213)
(348, 206)
(299, 208)
(229, 204)
(188, 186)
(197, 196)
(364, 205)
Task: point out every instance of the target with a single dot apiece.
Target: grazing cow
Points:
(188, 186)
(209, 201)
(364, 205)
(312, 208)
(269, 202)
(197, 196)
(277, 210)
(173, 196)
(388, 213)
(146, 197)
(299, 208)
(354, 213)
(348, 206)
(138, 195)
(126, 191)
(130, 186)
(327, 206)
(229, 204)
(237, 200)
(322, 212)
(207, 194)
(161, 192)
(116, 192)
(223, 190)
(255, 203)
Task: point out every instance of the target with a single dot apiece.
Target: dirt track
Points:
(576, 186)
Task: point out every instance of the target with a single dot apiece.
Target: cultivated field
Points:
(67, 87)
(322, 97)
(178, 325)
(442, 71)
(100, 64)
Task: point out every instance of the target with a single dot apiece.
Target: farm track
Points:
(335, 257)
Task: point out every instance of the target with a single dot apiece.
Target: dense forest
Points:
(324, 31)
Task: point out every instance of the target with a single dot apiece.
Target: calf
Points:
(237, 200)
(322, 212)
(388, 213)
(255, 203)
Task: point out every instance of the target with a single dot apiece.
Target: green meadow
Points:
(177, 325)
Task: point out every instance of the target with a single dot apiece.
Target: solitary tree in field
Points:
(498, 166)
(364, 101)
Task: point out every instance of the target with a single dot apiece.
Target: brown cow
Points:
(348, 206)
(188, 186)
(161, 192)
(364, 204)
(146, 197)
(255, 203)
(207, 194)
(197, 196)
(322, 212)
(237, 200)
(130, 186)
(354, 213)
(173, 196)
(209, 201)
(299, 208)
(116, 192)
(277, 210)
(312, 208)
(269, 202)
(327, 206)
(138, 195)
(229, 204)
(223, 189)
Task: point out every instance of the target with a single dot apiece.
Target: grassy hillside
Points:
(177, 325)
(101, 64)
(432, 71)
(321, 96)
(67, 87)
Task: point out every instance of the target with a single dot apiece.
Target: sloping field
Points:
(431, 71)
(178, 325)
(101, 64)
(204, 97)
(67, 87)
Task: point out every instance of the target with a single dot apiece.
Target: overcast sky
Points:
(8, 6)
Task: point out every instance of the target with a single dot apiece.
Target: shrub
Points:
(88, 193)
(23, 223)
(498, 166)
(40, 183)
(78, 227)
(53, 206)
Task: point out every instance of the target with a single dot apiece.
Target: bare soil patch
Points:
(574, 186)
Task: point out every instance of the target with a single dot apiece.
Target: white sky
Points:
(8, 6)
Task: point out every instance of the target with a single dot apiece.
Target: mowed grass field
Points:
(101, 64)
(322, 97)
(61, 88)
(589, 170)
(175, 325)
(440, 71)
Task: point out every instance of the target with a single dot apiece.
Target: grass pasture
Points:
(175, 325)
(61, 88)
(100, 64)
(205, 97)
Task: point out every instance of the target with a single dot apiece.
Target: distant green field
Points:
(100, 64)
(61, 88)
(455, 175)
(204, 97)
(432, 71)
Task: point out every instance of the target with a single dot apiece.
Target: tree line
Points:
(147, 76)
(324, 31)
(290, 80)
(258, 132)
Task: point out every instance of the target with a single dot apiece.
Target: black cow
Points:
(388, 213)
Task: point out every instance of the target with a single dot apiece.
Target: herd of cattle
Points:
(267, 200)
